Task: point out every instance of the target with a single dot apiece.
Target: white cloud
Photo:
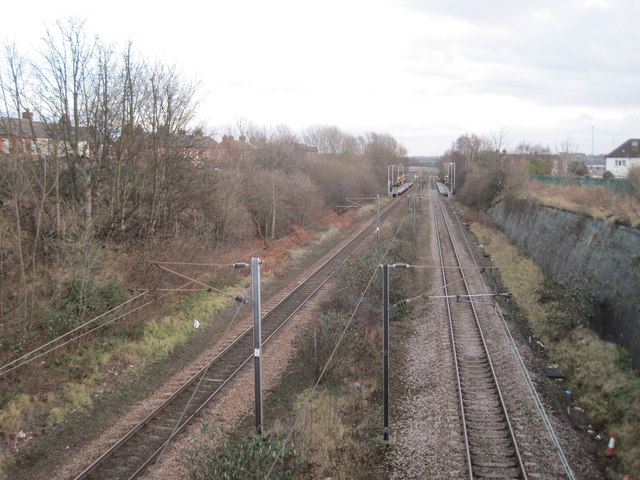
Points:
(425, 71)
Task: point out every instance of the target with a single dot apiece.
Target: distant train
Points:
(399, 189)
(444, 187)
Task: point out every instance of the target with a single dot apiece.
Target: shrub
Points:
(319, 343)
(354, 277)
(633, 181)
(482, 185)
(81, 300)
(18, 414)
(568, 302)
(247, 459)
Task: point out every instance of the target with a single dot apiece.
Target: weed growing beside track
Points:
(120, 366)
(329, 402)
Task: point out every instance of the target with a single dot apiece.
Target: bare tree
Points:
(167, 109)
(25, 170)
(331, 141)
(64, 90)
(381, 150)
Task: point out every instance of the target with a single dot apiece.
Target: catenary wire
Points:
(525, 373)
(204, 374)
(333, 352)
(35, 350)
(11, 365)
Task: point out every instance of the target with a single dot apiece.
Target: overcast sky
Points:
(424, 71)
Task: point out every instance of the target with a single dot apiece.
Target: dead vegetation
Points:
(604, 203)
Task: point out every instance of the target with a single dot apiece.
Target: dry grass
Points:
(596, 201)
(521, 275)
(94, 367)
(326, 426)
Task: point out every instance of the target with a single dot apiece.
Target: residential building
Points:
(26, 136)
(620, 160)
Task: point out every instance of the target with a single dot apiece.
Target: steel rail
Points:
(496, 386)
(272, 320)
(525, 373)
(465, 432)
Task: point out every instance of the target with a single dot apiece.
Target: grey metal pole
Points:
(414, 220)
(385, 348)
(257, 339)
(378, 217)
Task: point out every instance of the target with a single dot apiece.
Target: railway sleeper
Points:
(153, 437)
(473, 361)
(163, 428)
(496, 445)
(511, 464)
(213, 380)
(475, 372)
(487, 403)
(497, 475)
(482, 413)
(505, 453)
(493, 426)
(477, 381)
(494, 418)
(491, 434)
(479, 386)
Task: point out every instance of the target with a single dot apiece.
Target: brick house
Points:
(26, 136)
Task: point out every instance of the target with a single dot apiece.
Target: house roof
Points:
(629, 149)
(20, 127)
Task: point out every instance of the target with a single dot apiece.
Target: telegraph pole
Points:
(257, 339)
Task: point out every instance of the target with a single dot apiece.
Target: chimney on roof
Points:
(182, 132)
(27, 116)
(242, 138)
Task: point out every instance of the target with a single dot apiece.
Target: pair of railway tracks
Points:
(132, 454)
(491, 446)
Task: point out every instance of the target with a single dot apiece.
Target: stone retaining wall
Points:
(605, 255)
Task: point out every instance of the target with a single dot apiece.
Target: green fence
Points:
(615, 183)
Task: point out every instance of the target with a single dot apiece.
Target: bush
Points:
(482, 185)
(81, 300)
(633, 181)
(568, 302)
(355, 275)
(319, 341)
(247, 459)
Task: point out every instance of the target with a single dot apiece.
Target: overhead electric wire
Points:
(426, 294)
(186, 407)
(177, 424)
(169, 292)
(11, 365)
(209, 287)
(35, 350)
(5, 368)
(333, 352)
(525, 373)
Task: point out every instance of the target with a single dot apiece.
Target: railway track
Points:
(132, 454)
(491, 446)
